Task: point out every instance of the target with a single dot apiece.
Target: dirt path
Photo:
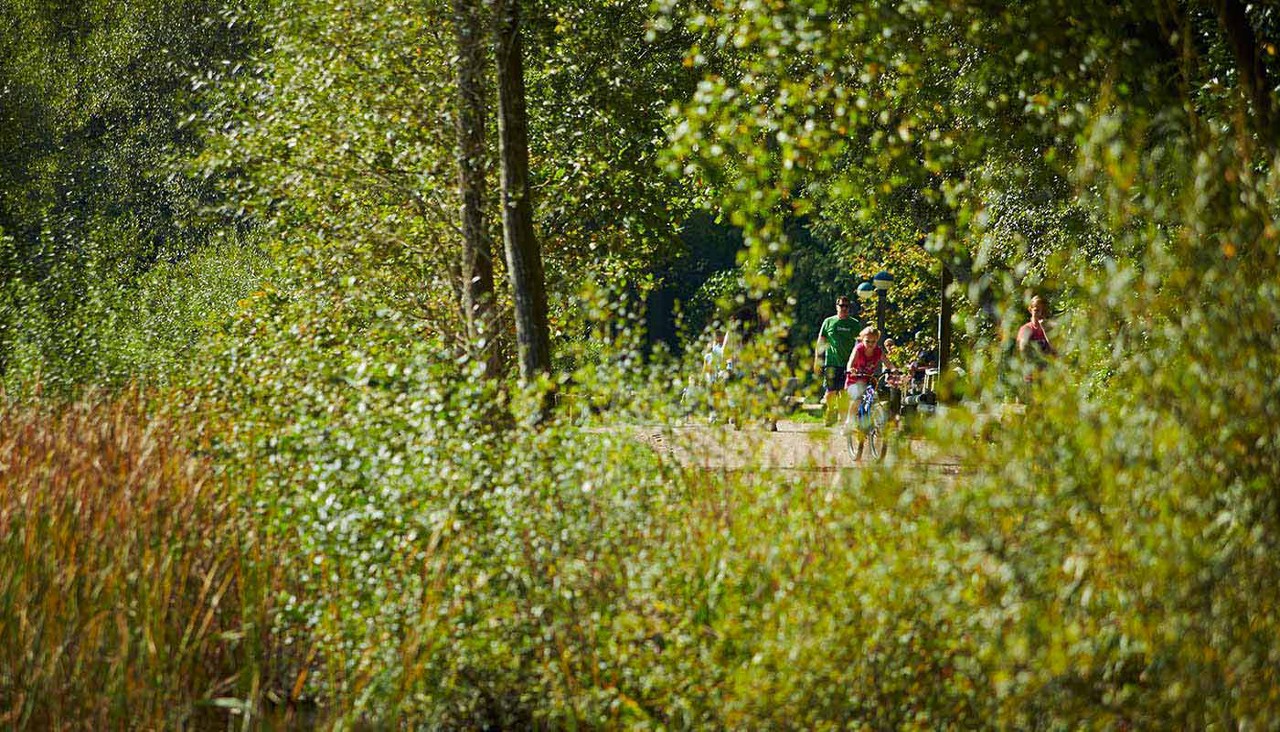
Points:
(794, 446)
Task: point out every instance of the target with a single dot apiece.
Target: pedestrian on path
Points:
(836, 338)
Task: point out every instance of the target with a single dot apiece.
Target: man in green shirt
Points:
(836, 339)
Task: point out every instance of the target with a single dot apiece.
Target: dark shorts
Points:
(833, 377)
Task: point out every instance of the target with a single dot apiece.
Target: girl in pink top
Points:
(1033, 343)
(866, 359)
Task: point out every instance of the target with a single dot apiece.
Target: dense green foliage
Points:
(404, 542)
(1093, 152)
(97, 219)
(347, 141)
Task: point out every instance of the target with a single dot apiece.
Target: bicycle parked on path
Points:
(917, 393)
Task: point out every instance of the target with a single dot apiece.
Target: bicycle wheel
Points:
(877, 440)
(851, 437)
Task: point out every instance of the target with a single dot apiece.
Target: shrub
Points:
(87, 325)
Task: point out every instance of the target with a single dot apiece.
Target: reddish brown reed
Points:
(126, 594)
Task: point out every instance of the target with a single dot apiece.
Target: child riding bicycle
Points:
(865, 361)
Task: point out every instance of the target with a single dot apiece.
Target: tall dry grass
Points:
(131, 595)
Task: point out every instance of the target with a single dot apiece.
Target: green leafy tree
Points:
(477, 250)
(92, 192)
(338, 137)
(524, 256)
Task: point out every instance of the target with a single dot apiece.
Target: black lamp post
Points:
(883, 281)
(865, 291)
(878, 286)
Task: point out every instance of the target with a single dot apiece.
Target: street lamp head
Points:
(883, 280)
(865, 291)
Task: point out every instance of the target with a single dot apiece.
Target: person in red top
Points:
(1033, 343)
(864, 362)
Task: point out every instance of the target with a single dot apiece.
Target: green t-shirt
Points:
(841, 334)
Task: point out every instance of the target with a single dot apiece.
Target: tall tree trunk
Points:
(477, 251)
(1254, 83)
(524, 257)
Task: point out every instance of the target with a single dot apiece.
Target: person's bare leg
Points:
(841, 411)
(850, 407)
(835, 408)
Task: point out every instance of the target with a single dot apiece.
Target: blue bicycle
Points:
(867, 424)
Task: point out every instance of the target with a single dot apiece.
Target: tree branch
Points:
(1253, 74)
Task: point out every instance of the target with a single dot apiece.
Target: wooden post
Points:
(944, 323)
